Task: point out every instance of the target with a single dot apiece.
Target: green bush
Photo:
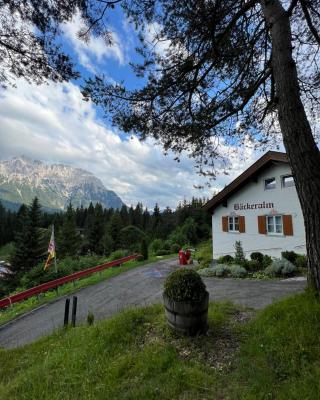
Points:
(140, 257)
(227, 259)
(251, 265)
(301, 261)
(257, 256)
(185, 285)
(207, 272)
(174, 248)
(267, 260)
(221, 270)
(236, 271)
(156, 245)
(290, 256)
(167, 245)
(117, 254)
(280, 267)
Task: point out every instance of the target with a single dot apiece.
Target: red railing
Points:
(7, 301)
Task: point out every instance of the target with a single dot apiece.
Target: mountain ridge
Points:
(22, 178)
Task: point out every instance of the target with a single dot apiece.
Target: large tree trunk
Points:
(299, 143)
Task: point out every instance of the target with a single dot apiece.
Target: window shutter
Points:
(225, 224)
(262, 228)
(242, 224)
(287, 225)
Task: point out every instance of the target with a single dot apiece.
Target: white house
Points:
(261, 209)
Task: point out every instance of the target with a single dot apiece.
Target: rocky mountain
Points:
(21, 179)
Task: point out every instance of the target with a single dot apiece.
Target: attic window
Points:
(287, 181)
(270, 183)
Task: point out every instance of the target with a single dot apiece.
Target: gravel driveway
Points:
(137, 287)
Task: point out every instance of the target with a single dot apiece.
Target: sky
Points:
(52, 123)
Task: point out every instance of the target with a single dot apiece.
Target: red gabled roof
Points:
(241, 180)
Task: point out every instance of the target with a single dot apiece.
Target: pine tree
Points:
(69, 240)
(35, 250)
(95, 235)
(114, 230)
(144, 249)
(21, 248)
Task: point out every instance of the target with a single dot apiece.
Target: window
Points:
(287, 181)
(275, 224)
(270, 183)
(233, 224)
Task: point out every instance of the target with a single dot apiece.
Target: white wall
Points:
(285, 201)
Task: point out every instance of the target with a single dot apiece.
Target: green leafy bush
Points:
(227, 259)
(236, 271)
(251, 265)
(206, 272)
(257, 256)
(280, 267)
(301, 261)
(267, 260)
(185, 285)
(174, 248)
(221, 270)
(290, 256)
(140, 257)
(117, 254)
(156, 245)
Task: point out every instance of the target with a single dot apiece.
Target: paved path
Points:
(139, 286)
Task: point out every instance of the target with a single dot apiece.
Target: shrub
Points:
(267, 260)
(117, 254)
(251, 265)
(237, 271)
(280, 267)
(257, 256)
(174, 248)
(156, 244)
(239, 254)
(221, 270)
(204, 254)
(227, 259)
(185, 285)
(290, 256)
(167, 245)
(140, 257)
(301, 261)
(207, 272)
(288, 268)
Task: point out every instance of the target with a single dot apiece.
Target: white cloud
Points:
(95, 51)
(52, 123)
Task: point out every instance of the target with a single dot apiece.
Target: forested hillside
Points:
(93, 232)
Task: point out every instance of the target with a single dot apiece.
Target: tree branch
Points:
(307, 15)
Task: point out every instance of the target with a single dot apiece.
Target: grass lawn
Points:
(276, 355)
(19, 308)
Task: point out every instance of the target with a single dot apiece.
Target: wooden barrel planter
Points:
(188, 318)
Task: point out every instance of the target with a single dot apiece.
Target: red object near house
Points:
(182, 258)
(188, 254)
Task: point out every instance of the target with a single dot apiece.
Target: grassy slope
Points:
(134, 356)
(20, 308)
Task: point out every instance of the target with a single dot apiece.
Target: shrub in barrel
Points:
(186, 302)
